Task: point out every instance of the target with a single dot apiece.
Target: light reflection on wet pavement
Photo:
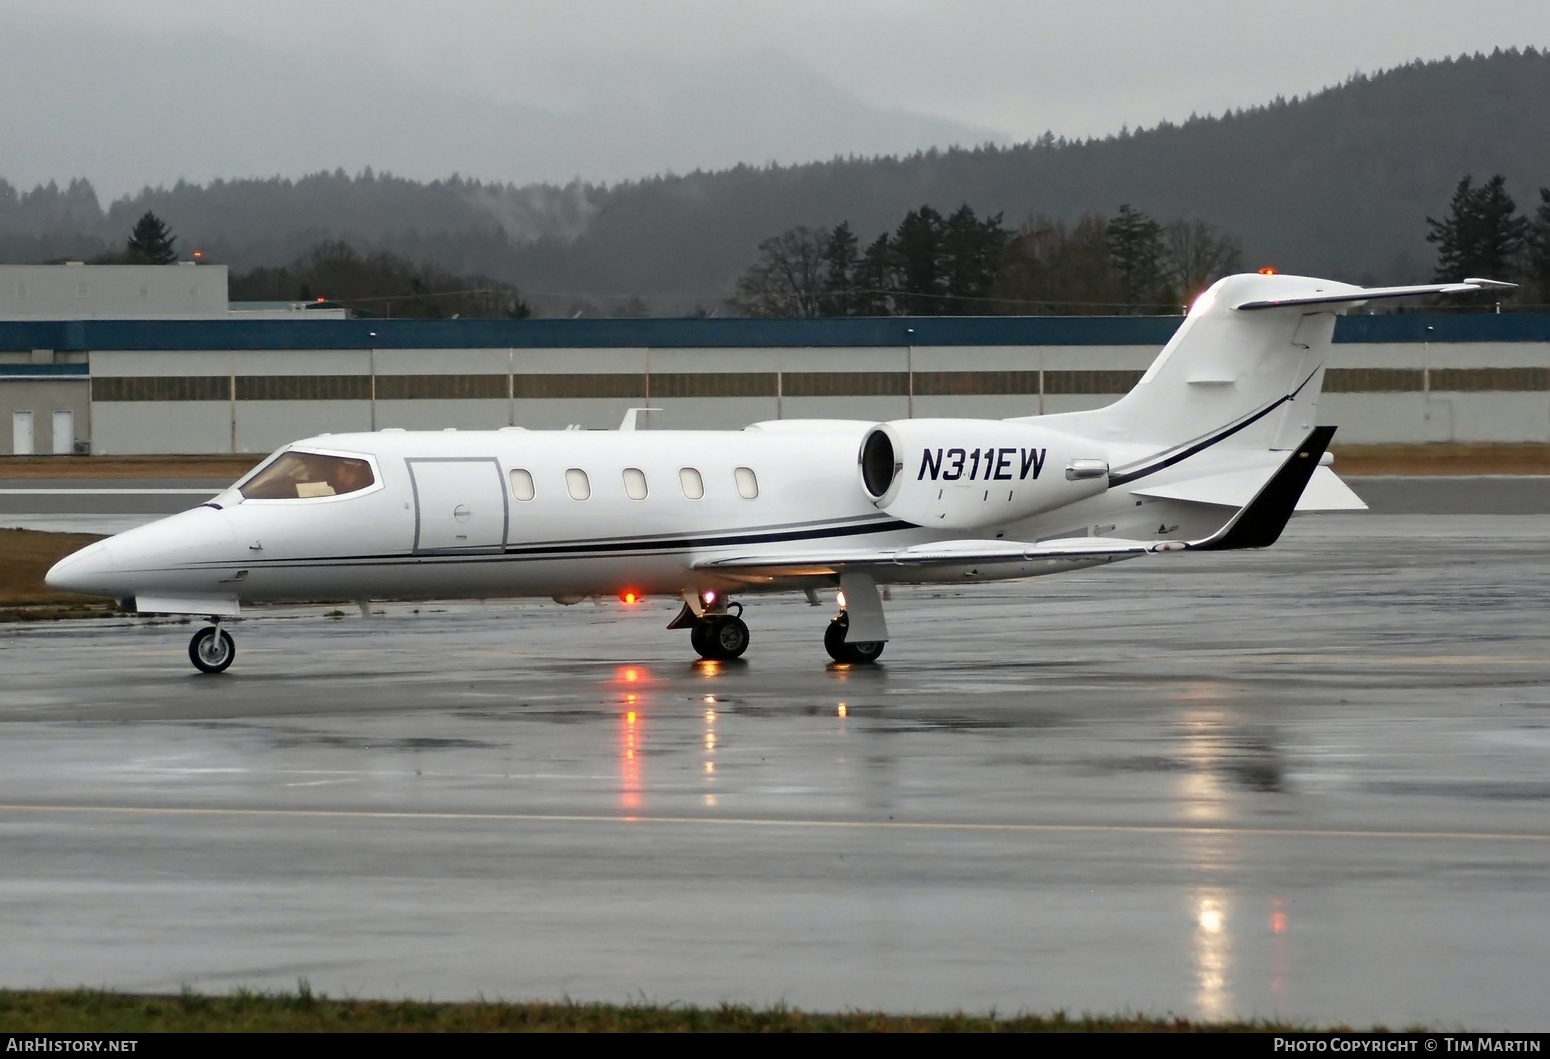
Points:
(1309, 782)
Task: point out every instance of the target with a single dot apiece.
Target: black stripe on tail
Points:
(1260, 522)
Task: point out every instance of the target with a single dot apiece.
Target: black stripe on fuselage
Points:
(572, 550)
(1192, 448)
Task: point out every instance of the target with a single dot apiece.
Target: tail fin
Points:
(1244, 369)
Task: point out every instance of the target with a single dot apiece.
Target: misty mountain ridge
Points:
(1338, 182)
(182, 107)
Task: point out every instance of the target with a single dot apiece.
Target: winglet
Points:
(1258, 524)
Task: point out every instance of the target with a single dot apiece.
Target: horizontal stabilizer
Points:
(1468, 286)
(1325, 491)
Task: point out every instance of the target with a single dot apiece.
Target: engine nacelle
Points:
(973, 473)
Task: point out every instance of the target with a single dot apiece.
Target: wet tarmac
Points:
(1311, 782)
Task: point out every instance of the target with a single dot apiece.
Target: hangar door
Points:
(460, 504)
(64, 432)
(21, 433)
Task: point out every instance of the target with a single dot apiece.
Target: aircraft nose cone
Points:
(84, 571)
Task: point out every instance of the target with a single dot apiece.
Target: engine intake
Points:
(877, 465)
(974, 473)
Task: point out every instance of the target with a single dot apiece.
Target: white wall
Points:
(112, 292)
(1367, 417)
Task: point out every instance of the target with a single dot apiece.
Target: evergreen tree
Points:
(1136, 250)
(1482, 235)
(972, 251)
(150, 243)
(877, 278)
(1504, 231)
(1539, 250)
(382, 284)
(841, 261)
(917, 245)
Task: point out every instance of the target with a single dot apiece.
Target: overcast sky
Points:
(521, 90)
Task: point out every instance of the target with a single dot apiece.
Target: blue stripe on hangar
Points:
(896, 331)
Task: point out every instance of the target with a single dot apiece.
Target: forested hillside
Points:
(1339, 183)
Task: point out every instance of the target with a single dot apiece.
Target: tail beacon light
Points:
(974, 473)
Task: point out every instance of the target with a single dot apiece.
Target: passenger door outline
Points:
(433, 533)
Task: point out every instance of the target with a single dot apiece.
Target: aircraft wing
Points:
(938, 553)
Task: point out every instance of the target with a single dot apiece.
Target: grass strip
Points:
(101, 1011)
(225, 468)
(25, 556)
(1442, 458)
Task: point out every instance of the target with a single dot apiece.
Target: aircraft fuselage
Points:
(569, 514)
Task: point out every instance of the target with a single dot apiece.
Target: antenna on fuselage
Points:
(628, 423)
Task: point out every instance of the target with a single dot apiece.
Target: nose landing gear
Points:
(212, 650)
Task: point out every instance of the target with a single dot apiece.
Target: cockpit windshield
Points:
(299, 475)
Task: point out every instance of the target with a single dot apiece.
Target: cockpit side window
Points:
(300, 475)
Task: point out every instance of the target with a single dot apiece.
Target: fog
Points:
(605, 90)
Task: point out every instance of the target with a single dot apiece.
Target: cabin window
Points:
(577, 484)
(303, 475)
(521, 484)
(693, 484)
(747, 483)
(635, 483)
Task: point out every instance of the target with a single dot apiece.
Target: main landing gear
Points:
(720, 637)
(853, 652)
(212, 649)
(856, 636)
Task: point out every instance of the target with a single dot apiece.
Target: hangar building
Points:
(188, 375)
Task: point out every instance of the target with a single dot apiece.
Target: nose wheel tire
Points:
(720, 637)
(211, 650)
(855, 653)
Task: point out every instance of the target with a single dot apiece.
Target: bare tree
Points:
(1195, 254)
(788, 279)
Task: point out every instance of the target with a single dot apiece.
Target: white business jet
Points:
(1214, 448)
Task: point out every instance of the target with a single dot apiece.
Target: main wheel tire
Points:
(212, 650)
(857, 653)
(699, 639)
(727, 637)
